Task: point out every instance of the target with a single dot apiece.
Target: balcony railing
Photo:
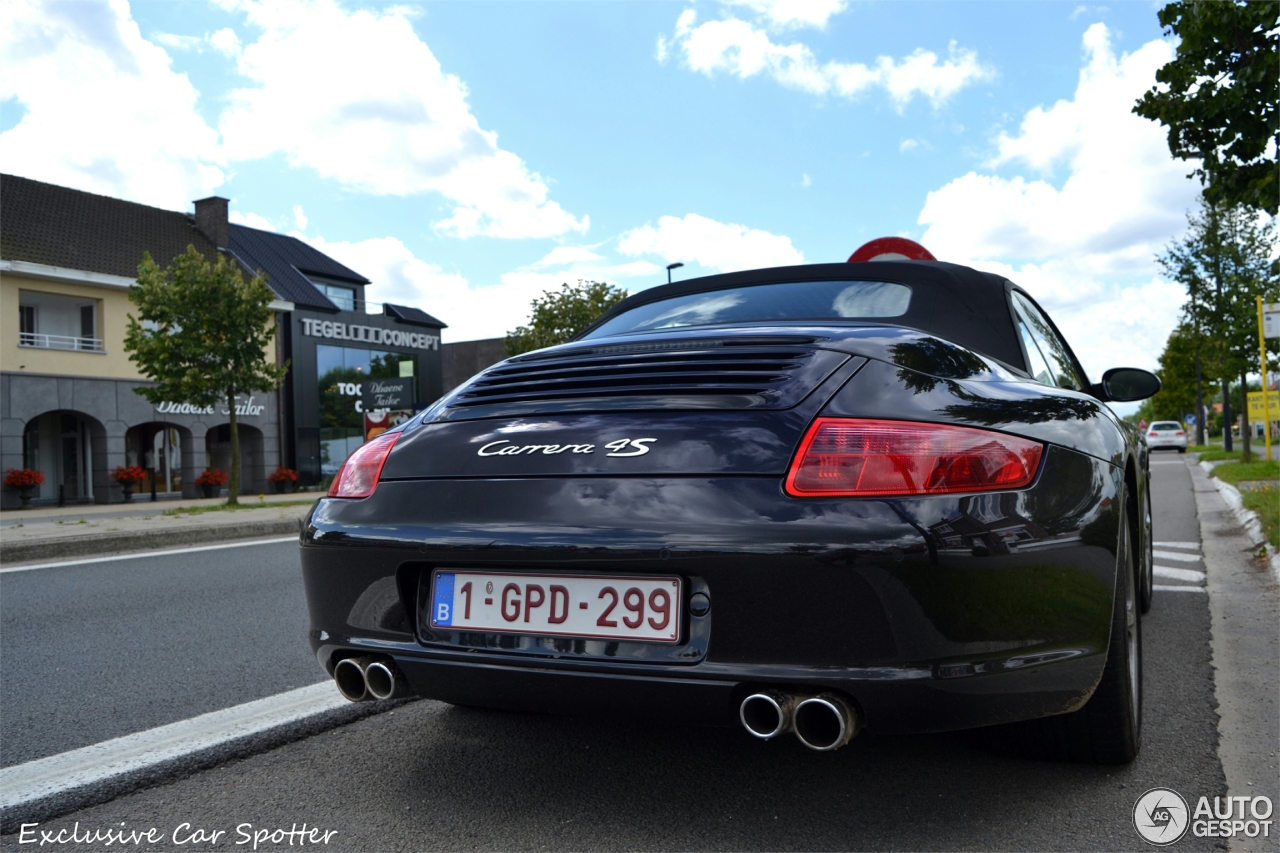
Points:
(67, 342)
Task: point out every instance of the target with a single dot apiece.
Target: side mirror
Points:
(1127, 385)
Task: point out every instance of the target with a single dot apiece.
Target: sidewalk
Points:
(52, 533)
(1244, 608)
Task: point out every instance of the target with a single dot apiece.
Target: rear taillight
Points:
(1153, 435)
(358, 476)
(1179, 432)
(867, 458)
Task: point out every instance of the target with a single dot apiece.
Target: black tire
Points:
(1146, 562)
(1108, 729)
(1182, 450)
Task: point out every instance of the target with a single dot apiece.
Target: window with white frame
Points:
(58, 321)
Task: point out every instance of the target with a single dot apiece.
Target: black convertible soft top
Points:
(951, 301)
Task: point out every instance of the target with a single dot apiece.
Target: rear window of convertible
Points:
(798, 300)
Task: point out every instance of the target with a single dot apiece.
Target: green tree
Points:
(1219, 97)
(562, 315)
(201, 336)
(1177, 372)
(1224, 261)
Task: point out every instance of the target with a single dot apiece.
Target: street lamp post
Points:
(671, 267)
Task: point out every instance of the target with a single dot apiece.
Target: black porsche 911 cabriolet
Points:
(809, 499)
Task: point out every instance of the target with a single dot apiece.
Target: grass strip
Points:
(1217, 454)
(196, 510)
(1233, 473)
(1266, 501)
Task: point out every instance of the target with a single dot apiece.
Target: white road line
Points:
(1193, 546)
(1189, 575)
(1162, 588)
(139, 554)
(1176, 557)
(58, 773)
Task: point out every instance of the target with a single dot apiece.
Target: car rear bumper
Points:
(931, 614)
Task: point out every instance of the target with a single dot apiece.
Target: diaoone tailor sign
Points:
(244, 408)
(368, 334)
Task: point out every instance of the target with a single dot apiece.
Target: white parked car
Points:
(1167, 434)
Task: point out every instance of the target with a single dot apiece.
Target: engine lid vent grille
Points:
(734, 373)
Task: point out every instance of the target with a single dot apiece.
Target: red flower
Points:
(212, 477)
(126, 475)
(283, 475)
(18, 477)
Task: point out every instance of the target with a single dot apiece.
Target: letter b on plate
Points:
(442, 601)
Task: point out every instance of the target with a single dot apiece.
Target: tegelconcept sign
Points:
(368, 334)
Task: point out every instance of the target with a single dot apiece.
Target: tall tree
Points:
(1224, 261)
(1177, 372)
(1219, 97)
(201, 336)
(562, 315)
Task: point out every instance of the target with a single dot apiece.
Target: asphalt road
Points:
(428, 776)
(98, 650)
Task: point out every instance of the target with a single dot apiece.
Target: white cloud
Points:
(720, 246)
(1085, 247)
(908, 145)
(299, 218)
(472, 311)
(226, 41)
(179, 42)
(358, 97)
(562, 255)
(252, 220)
(742, 49)
(789, 14)
(105, 112)
(805, 180)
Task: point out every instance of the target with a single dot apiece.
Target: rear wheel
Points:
(1107, 730)
(1146, 562)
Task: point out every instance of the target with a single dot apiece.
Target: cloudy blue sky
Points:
(467, 156)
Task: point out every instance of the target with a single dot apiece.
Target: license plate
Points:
(595, 606)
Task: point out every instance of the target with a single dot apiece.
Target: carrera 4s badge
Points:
(621, 447)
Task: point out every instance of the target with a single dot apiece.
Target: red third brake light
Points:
(865, 458)
(358, 476)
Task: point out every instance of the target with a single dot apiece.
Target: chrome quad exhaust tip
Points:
(348, 675)
(384, 680)
(767, 714)
(825, 722)
(363, 679)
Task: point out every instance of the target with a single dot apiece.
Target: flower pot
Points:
(283, 487)
(128, 491)
(209, 490)
(24, 494)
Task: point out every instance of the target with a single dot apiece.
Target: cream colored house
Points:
(67, 401)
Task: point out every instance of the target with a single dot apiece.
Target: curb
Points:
(181, 767)
(1248, 518)
(150, 540)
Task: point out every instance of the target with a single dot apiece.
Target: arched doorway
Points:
(70, 449)
(163, 451)
(253, 476)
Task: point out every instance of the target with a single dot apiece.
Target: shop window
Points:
(341, 373)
